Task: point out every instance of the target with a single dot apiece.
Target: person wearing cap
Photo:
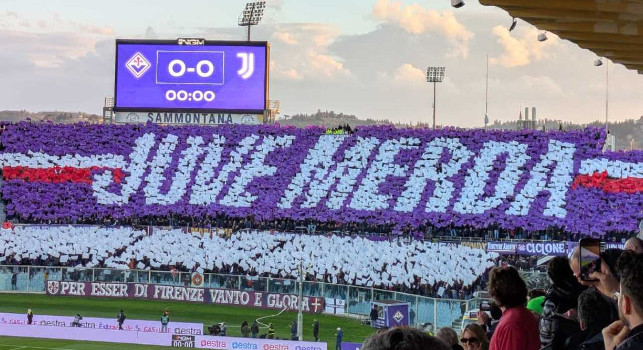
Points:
(535, 305)
(339, 336)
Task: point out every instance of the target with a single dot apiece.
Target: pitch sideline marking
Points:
(275, 315)
(17, 347)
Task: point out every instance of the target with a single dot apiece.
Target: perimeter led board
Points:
(155, 75)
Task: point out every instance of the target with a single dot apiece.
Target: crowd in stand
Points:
(339, 130)
(419, 267)
(599, 311)
(310, 226)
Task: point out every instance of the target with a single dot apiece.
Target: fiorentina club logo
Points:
(398, 316)
(138, 65)
(53, 287)
(197, 279)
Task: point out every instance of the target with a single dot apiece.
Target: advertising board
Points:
(145, 326)
(223, 343)
(210, 76)
(261, 300)
(86, 334)
(188, 118)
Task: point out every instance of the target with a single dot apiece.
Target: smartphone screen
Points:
(590, 257)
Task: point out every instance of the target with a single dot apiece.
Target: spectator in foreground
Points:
(518, 328)
(490, 323)
(556, 329)
(449, 337)
(403, 338)
(474, 337)
(608, 278)
(634, 244)
(627, 333)
(594, 314)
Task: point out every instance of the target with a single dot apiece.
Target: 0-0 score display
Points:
(164, 76)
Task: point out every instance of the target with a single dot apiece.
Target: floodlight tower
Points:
(434, 75)
(251, 15)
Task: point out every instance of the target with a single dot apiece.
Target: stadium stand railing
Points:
(436, 311)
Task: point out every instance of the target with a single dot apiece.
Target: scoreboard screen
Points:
(210, 76)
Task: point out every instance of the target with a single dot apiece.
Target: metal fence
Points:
(438, 312)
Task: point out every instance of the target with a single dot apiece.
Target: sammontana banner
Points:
(260, 300)
(510, 179)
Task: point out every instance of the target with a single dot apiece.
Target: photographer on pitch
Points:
(120, 318)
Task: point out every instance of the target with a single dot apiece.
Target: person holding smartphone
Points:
(556, 329)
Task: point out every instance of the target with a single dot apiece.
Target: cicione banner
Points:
(103, 323)
(189, 294)
(542, 248)
(186, 118)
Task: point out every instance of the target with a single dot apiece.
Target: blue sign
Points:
(162, 75)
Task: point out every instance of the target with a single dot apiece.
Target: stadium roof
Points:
(610, 28)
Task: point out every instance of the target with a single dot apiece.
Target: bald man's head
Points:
(634, 244)
(574, 263)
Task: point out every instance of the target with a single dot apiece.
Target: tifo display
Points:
(528, 179)
(347, 260)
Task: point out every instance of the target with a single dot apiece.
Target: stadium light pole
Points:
(486, 95)
(434, 75)
(300, 306)
(252, 15)
(599, 63)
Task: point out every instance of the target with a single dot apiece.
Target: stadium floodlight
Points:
(542, 36)
(252, 15)
(513, 24)
(457, 3)
(434, 75)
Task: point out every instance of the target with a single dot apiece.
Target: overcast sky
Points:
(360, 57)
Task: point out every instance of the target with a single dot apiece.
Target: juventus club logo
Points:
(247, 64)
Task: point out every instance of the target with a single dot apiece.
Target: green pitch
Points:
(179, 311)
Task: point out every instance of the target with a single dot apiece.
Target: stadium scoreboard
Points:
(191, 75)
